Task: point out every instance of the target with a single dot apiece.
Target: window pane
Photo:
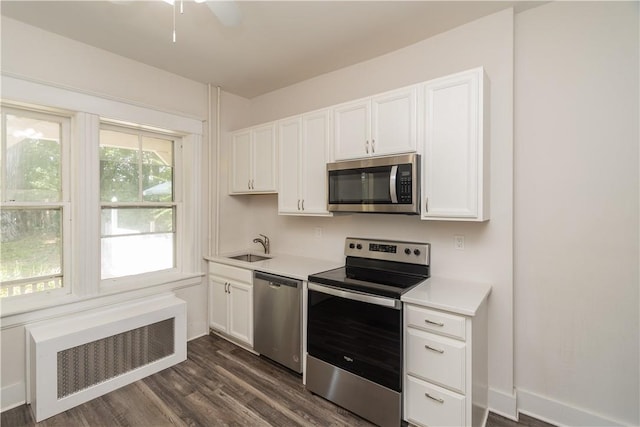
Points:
(127, 255)
(136, 240)
(32, 160)
(157, 170)
(121, 221)
(31, 245)
(119, 166)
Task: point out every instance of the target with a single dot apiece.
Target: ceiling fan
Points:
(227, 11)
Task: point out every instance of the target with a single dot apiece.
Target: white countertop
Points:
(456, 296)
(293, 266)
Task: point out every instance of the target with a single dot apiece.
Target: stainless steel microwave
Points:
(377, 185)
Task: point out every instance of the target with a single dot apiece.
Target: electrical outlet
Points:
(458, 242)
(318, 232)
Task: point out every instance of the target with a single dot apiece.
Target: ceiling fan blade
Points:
(228, 12)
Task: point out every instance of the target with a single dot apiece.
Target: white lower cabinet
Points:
(231, 302)
(440, 360)
(445, 367)
(430, 405)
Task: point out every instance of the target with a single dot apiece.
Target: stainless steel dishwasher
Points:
(277, 331)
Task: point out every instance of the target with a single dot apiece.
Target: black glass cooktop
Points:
(374, 281)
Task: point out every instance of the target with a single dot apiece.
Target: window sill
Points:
(17, 313)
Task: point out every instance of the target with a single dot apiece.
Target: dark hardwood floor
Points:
(219, 384)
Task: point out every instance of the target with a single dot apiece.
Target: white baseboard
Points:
(504, 404)
(12, 396)
(558, 413)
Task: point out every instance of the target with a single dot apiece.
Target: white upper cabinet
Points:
(290, 146)
(394, 122)
(376, 126)
(253, 160)
(303, 146)
(455, 172)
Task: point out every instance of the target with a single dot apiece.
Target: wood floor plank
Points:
(220, 384)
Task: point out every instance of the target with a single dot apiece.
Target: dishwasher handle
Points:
(276, 281)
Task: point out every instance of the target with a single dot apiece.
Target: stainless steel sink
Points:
(249, 257)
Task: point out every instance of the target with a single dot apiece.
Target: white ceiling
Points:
(276, 43)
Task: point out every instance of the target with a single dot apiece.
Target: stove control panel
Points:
(389, 250)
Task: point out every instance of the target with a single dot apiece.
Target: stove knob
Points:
(358, 246)
(416, 252)
(407, 251)
(351, 245)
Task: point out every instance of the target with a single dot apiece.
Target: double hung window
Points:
(34, 214)
(91, 206)
(139, 204)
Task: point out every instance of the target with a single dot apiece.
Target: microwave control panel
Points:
(403, 184)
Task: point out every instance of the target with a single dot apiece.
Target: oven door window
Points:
(362, 338)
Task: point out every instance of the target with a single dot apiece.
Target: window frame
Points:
(133, 281)
(64, 204)
(87, 110)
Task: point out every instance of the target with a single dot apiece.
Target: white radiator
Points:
(78, 358)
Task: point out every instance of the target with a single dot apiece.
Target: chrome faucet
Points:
(264, 242)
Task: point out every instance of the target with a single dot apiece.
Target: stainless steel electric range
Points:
(354, 326)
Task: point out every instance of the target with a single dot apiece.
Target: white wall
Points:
(235, 211)
(31, 54)
(34, 54)
(487, 42)
(576, 212)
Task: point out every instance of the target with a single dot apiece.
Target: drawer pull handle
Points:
(434, 398)
(431, 322)
(437, 350)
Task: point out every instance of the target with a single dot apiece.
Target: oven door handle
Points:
(369, 299)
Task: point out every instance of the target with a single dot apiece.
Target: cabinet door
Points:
(240, 172)
(314, 163)
(241, 312)
(394, 122)
(264, 158)
(290, 144)
(352, 130)
(453, 176)
(217, 304)
(430, 405)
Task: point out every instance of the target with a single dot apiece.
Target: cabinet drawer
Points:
(437, 359)
(430, 405)
(436, 321)
(233, 273)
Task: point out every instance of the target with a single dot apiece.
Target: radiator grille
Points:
(92, 363)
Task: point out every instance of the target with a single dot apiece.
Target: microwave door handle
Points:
(392, 184)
